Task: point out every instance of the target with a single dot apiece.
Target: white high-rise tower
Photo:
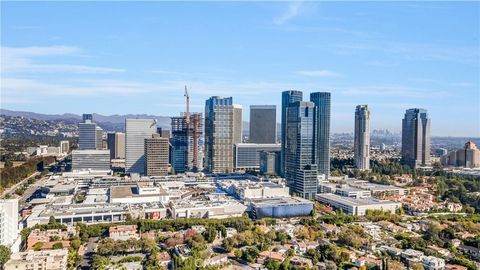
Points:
(362, 137)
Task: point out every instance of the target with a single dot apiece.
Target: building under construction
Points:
(187, 140)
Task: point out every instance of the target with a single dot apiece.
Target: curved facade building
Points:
(362, 138)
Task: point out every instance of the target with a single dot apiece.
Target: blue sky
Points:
(118, 58)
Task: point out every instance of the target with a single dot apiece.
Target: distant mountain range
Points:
(107, 122)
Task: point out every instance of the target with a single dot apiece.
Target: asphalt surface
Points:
(89, 251)
(11, 190)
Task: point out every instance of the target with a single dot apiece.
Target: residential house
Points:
(219, 260)
(300, 262)
(164, 258)
(433, 263)
(360, 261)
(262, 256)
(48, 238)
(455, 267)
(410, 256)
(442, 251)
(123, 232)
(471, 251)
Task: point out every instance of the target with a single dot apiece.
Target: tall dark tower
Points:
(288, 97)
(322, 131)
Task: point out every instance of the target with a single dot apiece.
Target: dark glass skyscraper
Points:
(87, 116)
(300, 165)
(416, 138)
(288, 97)
(87, 133)
(263, 124)
(322, 131)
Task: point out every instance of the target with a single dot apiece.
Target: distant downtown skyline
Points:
(136, 58)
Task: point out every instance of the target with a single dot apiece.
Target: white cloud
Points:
(318, 73)
(293, 10)
(21, 60)
(25, 88)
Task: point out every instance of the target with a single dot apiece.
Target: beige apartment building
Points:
(38, 260)
(468, 157)
(156, 155)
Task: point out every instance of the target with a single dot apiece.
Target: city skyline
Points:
(140, 61)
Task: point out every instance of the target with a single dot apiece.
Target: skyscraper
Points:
(136, 131)
(116, 145)
(416, 138)
(237, 124)
(301, 168)
(91, 160)
(156, 155)
(99, 138)
(219, 134)
(322, 131)
(8, 222)
(263, 124)
(288, 97)
(362, 138)
(87, 135)
(468, 157)
(187, 153)
(87, 116)
(111, 144)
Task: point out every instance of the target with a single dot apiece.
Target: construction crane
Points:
(187, 126)
(195, 121)
(187, 101)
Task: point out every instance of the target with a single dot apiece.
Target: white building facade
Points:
(136, 131)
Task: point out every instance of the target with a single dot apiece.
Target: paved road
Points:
(31, 189)
(89, 251)
(11, 190)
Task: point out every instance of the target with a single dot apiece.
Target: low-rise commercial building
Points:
(138, 193)
(45, 150)
(376, 189)
(343, 190)
(217, 206)
(247, 155)
(357, 207)
(98, 213)
(246, 190)
(281, 207)
(91, 159)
